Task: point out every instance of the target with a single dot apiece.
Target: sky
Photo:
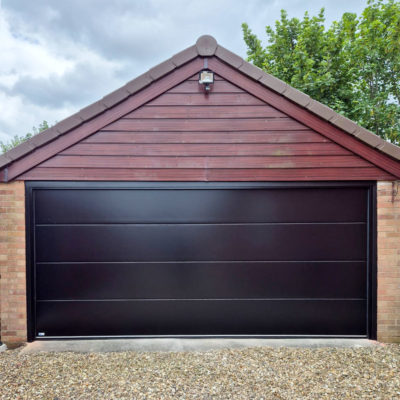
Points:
(57, 57)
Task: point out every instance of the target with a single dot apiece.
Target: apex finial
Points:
(206, 45)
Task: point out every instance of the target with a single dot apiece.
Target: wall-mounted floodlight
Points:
(206, 78)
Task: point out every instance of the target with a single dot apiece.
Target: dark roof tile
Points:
(367, 137)
(68, 123)
(230, 58)
(92, 110)
(206, 45)
(344, 123)
(390, 148)
(273, 83)
(4, 160)
(297, 96)
(185, 56)
(252, 71)
(321, 110)
(21, 150)
(139, 83)
(43, 137)
(115, 97)
(161, 69)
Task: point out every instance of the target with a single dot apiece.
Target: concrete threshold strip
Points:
(184, 344)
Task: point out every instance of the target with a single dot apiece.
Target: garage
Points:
(203, 198)
(201, 259)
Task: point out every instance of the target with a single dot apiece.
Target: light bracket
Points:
(206, 78)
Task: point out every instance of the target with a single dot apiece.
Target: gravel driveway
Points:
(256, 373)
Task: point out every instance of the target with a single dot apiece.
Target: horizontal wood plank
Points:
(205, 112)
(306, 136)
(205, 162)
(124, 174)
(201, 99)
(191, 125)
(184, 150)
(299, 174)
(193, 86)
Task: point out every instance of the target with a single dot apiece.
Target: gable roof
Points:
(206, 46)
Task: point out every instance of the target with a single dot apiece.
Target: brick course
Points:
(388, 261)
(12, 262)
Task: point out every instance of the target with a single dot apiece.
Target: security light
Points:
(206, 78)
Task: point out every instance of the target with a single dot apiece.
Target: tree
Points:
(16, 140)
(353, 66)
(376, 54)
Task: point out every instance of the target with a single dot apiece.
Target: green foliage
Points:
(353, 66)
(17, 140)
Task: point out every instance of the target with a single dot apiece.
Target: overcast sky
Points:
(58, 56)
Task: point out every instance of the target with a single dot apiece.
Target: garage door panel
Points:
(200, 259)
(200, 206)
(272, 242)
(241, 317)
(196, 280)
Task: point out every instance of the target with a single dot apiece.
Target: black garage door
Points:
(187, 259)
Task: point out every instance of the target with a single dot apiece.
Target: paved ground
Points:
(174, 344)
(255, 373)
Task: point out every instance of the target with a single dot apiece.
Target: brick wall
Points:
(12, 262)
(389, 262)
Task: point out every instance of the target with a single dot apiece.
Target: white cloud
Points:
(38, 83)
(20, 55)
(19, 118)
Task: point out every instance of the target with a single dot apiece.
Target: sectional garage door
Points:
(197, 259)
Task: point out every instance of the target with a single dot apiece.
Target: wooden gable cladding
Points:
(187, 135)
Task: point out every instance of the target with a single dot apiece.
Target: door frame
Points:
(371, 256)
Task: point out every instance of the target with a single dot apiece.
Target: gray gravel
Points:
(256, 373)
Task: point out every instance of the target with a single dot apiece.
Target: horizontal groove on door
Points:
(210, 299)
(194, 336)
(203, 261)
(206, 317)
(182, 242)
(206, 223)
(197, 205)
(200, 280)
